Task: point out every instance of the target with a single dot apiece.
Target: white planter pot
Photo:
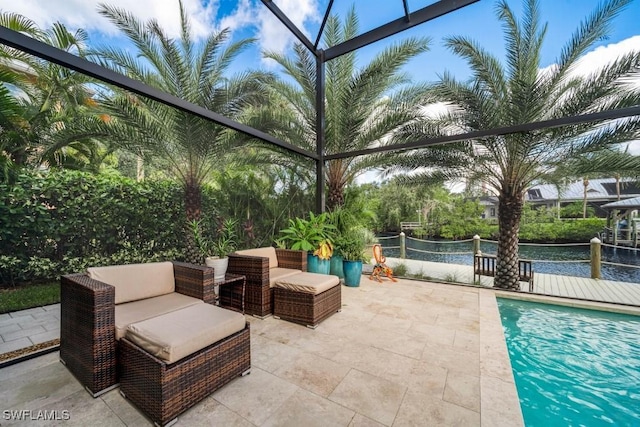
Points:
(219, 267)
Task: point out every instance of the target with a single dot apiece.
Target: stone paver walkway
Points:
(405, 353)
(25, 328)
(608, 291)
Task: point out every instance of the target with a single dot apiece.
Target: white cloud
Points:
(244, 15)
(270, 32)
(602, 56)
(84, 13)
(272, 35)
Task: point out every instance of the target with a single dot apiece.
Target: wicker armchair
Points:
(87, 322)
(259, 291)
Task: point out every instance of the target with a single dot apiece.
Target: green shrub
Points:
(51, 221)
(570, 230)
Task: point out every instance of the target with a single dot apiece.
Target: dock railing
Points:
(595, 259)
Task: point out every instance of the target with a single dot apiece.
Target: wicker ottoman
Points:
(171, 362)
(306, 298)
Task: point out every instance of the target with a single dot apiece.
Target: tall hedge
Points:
(54, 223)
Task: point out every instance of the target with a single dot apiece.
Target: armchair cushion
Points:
(134, 282)
(266, 252)
(137, 311)
(175, 335)
(278, 273)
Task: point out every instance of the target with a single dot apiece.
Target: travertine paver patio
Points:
(405, 353)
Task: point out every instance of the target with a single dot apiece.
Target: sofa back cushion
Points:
(136, 281)
(267, 252)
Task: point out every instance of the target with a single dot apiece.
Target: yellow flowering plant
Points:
(324, 250)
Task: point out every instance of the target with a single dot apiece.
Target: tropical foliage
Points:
(517, 92)
(191, 147)
(47, 112)
(54, 222)
(313, 235)
(364, 106)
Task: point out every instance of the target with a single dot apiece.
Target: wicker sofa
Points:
(108, 315)
(262, 267)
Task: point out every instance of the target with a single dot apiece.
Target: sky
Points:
(250, 18)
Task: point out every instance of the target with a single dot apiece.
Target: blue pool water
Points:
(573, 367)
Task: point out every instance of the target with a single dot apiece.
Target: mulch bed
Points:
(27, 350)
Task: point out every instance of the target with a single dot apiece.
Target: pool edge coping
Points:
(570, 302)
(499, 400)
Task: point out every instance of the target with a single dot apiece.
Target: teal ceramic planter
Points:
(352, 273)
(336, 266)
(317, 265)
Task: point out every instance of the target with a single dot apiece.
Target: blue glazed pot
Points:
(317, 265)
(336, 266)
(352, 273)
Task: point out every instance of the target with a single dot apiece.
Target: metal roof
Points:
(633, 203)
(598, 189)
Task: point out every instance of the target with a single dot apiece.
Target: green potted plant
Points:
(215, 251)
(345, 220)
(313, 235)
(337, 259)
(352, 246)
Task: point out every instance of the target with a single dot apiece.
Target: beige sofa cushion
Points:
(180, 333)
(136, 281)
(268, 252)
(279, 273)
(309, 283)
(137, 311)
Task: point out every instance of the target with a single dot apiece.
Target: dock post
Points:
(476, 244)
(403, 245)
(595, 258)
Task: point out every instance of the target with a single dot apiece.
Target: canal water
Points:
(574, 259)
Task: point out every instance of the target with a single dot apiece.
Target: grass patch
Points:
(400, 270)
(24, 297)
(451, 278)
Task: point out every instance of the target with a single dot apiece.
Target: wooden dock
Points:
(544, 284)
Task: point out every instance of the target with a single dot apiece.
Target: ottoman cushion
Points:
(308, 283)
(137, 311)
(278, 273)
(180, 333)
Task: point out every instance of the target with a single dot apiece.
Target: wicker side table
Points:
(231, 292)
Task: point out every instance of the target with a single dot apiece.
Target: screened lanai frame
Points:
(408, 19)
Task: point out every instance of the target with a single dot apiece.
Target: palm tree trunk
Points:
(139, 168)
(193, 199)
(335, 196)
(509, 215)
(193, 208)
(585, 183)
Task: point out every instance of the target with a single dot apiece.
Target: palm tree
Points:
(45, 107)
(363, 105)
(191, 147)
(520, 91)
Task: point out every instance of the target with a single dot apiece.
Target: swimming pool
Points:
(573, 367)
